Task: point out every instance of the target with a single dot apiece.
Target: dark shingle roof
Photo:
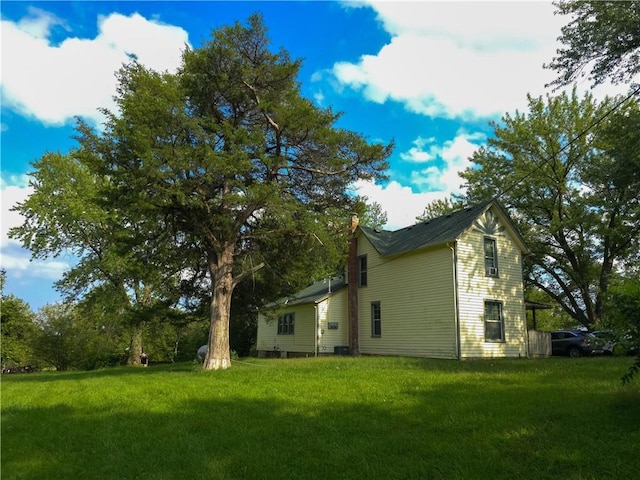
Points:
(313, 293)
(436, 231)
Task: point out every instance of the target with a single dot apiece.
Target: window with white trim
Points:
(493, 321)
(490, 257)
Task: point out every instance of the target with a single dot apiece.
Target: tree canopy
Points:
(601, 41)
(573, 190)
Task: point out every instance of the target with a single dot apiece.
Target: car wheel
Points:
(575, 352)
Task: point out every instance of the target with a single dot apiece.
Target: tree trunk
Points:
(135, 347)
(222, 283)
(142, 297)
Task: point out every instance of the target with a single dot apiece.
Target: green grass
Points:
(326, 418)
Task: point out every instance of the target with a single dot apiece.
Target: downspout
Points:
(524, 307)
(317, 316)
(456, 308)
(326, 319)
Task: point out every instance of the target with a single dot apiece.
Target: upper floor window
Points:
(493, 321)
(286, 324)
(362, 271)
(490, 257)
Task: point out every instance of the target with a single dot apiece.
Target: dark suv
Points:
(574, 343)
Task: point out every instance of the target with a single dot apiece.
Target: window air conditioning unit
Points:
(492, 271)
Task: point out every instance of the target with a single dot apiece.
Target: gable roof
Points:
(436, 231)
(312, 294)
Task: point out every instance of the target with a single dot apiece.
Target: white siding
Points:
(474, 288)
(267, 337)
(302, 341)
(331, 309)
(334, 310)
(416, 298)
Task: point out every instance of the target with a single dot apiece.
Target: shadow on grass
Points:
(503, 365)
(123, 371)
(452, 431)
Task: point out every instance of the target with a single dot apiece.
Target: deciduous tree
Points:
(73, 210)
(18, 329)
(601, 41)
(573, 191)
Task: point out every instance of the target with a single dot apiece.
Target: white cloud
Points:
(319, 97)
(401, 203)
(463, 60)
(445, 161)
(19, 264)
(38, 23)
(54, 83)
(477, 25)
(418, 154)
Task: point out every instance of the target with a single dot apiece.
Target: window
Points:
(362, 271)
(376, 320)
(286, 324)
(493, 322)
(490, 257)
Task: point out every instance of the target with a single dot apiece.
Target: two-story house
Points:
(450, 287)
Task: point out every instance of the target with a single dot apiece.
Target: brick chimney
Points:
(352, 287)
(355, 221)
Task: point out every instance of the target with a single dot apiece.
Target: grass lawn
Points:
(326, 418)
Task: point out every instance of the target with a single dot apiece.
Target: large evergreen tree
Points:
(225, 168)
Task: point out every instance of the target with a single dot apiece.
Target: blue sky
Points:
(429, 75)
